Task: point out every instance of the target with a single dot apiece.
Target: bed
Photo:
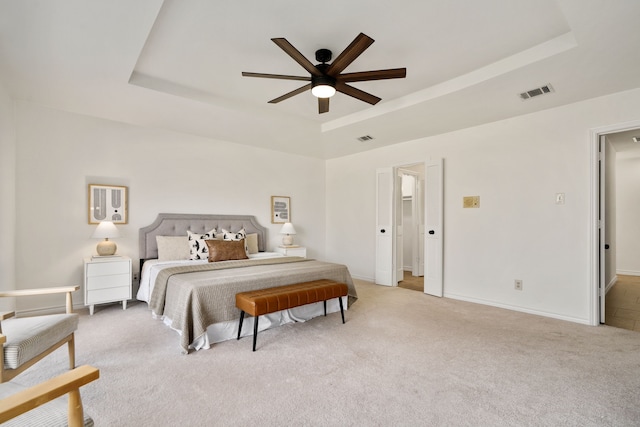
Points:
(196, 297)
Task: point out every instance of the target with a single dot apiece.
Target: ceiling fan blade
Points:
(275, 76)
(290, 94)
(297, 56)
(357, 93)
(357, 46)
(323, 105)
(394, 73)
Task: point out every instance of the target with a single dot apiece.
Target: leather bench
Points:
(265, 301)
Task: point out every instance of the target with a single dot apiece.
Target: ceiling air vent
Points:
(542, 90)
(636, 139)
(365, 138)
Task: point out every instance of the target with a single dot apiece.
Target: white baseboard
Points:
(610, 284)
(366, 279)
(520, 309)
(628, 272)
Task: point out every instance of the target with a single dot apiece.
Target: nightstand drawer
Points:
(107, 268)
(108, 295)
(105, 282)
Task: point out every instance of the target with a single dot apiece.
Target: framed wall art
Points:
(108, 203)
(280, 209)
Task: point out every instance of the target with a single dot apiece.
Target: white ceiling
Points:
(176, 64)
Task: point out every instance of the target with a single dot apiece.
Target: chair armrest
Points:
(44, 291)
(37, 395)
(39, 291)
(7, 315)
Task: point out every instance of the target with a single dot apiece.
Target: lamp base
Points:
(106, 247)
(287, 240)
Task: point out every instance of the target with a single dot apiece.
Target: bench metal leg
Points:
(325, 308)
(240, 324)
(255, 331)
(341, 308)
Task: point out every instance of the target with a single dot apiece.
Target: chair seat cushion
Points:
(54, 413)
(29, 336)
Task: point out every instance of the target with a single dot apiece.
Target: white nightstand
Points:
(292, 251)
(107, 279)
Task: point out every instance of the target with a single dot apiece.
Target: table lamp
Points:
(288, 231)
(106, 230)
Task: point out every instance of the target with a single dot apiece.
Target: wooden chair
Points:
(39, 405)
(27, 340)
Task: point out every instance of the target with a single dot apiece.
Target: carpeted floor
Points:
(402, 358)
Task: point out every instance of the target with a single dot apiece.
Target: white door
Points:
(433, 241)
(418, 219)
(385, 273)
(399, 239)
(602, 237)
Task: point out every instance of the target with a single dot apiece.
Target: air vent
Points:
(542, 90)
(636, 139)
(365, 138)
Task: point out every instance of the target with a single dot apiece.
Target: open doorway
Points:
(619, 209)
(410, 243)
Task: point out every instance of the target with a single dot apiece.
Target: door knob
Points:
(432, 232)
(606, 246)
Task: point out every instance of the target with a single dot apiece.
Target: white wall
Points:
(628, 215)
(7, 196)
(516, 166)
(60, 153)
(407, 234)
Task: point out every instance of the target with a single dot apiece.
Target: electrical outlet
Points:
(517, 284)
(135, 276)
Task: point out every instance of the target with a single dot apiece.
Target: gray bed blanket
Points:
(196, 296)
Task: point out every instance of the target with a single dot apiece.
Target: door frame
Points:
(433, 285)
(597, 263)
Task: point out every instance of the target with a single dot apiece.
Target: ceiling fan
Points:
(326, 78)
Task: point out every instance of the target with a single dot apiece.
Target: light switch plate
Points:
(471, 202)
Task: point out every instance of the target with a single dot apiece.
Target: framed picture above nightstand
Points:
(107, 279)
(292, 251)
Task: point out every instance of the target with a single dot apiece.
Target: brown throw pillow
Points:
(225, 250)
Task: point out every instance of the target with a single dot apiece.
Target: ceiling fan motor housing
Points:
(322, 80)
(323, 55)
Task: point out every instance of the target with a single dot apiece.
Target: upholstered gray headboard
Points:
(178, 224)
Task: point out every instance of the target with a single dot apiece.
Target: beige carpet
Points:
(402, 358)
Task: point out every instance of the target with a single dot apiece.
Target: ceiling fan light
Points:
(323, 91)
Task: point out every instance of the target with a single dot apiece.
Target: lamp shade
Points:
(323, 91)
(105, 230)
(287, 228)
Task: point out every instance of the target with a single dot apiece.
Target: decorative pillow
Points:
(197, 246)
(234, 235)
(225, 250)
(172, 247)
(251, 242)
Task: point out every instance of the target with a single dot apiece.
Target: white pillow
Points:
(197, 245)
(234, 235)
(172, 247)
